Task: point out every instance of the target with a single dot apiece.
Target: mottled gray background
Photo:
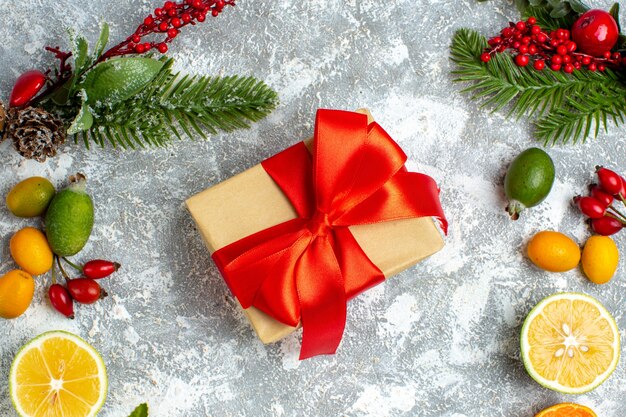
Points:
(441, 339)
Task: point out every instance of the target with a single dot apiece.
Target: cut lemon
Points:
(567, 410)
(58, 374)
(570, 343)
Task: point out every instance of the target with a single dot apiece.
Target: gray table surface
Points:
(440, 339)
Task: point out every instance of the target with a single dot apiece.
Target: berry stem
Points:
(620, 214)
(65, 274)
(73, 265)
(616, 218)
(53, 272)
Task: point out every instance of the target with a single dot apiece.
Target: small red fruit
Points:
(522, 60)
(539, 65)
(61, 300)
(601, 196)
(26, 88)
(610, 181)
(485, 57)
(595, 32)
(99, 268)
(590, 207)
(606, 226)
(85, 290)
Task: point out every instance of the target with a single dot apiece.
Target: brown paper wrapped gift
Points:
(251, 202)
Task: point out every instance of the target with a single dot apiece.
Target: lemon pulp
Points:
(58, 374)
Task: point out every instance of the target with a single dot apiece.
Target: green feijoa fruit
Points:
(30, 198)
(528, 180)
(69, 218)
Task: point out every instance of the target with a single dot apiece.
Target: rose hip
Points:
(99, 268)
(61, 300)
(606, 226)
(610, 181)
(85, 290)
(590, 207)
(600, 195)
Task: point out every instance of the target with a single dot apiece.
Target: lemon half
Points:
(570, 343)
(58, 374)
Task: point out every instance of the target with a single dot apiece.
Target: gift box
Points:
(298, 235)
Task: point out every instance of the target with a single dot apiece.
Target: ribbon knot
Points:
(319, 224)
(304, 270)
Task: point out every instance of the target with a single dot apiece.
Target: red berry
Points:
(532, 49)
(595, 32)
(561, 50)
(577, 65)
(176, 22)
(85, 290)
(535, 30)
(571, 46)
(162, 47)
(215, 12)
(26, 88)
(607, 55)
(507, 32)
(590, 207)
(531, 20)
(99, 268)
(136, 38)
(526, 40)
(601, 196)
(586, 60)
(147, 46)
(163, 26)
(592, 66)
(556, 59)
(186, 17)
(555, 67)
(168, 5)
(516, 45)
(523, 49)
(196, 4)
(148, 21)
(485, 57)
(158, 12)
(172, 12)
(61, 300)
(172, 33)
(541, 38)
(567, 59)
(539, 65)
(609, 180)
(606, 226)
(601, 67)
(201, 17)
(521, 26)
(616, 56)
(560, 33)
(522, 60)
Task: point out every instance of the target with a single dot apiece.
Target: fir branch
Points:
(570, 107)
(176, 106)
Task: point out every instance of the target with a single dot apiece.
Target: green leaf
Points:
(82, 122)
(80, 51)
(141, 411)
(103, 39)
(615, 13)
(119, 79)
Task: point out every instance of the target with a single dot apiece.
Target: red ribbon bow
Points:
(305, 270)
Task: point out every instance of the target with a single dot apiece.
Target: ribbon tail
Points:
(322, 299)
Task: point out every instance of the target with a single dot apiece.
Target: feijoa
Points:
(528, 180)
(30, 198)
(69, 219)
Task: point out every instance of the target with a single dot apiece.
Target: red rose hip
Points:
(26, 88)
(85, 290)
(600, 195)
(606, 226)
(61, 300)
(590, 207)
(609, 180)
(595, 32)
(99, 268)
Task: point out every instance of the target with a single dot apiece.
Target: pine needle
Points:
(569, 107)
(173, 106)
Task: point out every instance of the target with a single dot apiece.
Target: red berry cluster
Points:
(84, 290)
(604, 218)
(167, 20)
(554, 49)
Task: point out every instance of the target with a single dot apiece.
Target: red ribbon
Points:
(305, 270)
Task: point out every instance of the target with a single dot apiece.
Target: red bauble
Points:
(595, 32)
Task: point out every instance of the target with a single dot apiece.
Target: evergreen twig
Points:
(569, 106)
(175, 106)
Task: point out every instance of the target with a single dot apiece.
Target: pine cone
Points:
(3, 117)
(36, 133)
